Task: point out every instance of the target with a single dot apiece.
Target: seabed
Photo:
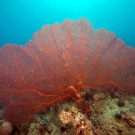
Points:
(111, 113)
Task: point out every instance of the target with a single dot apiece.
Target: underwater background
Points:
(19, 20)
(71, 78)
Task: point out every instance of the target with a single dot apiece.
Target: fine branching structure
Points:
(59, 61)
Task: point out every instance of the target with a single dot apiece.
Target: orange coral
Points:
(57, 63)
(82, 124)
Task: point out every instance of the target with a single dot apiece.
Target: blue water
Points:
(20, 19)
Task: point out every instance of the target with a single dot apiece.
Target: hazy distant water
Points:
(20, 19)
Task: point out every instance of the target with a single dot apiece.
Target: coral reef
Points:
(129, 117)
(106, 117)
(61, 60)
(79, 120)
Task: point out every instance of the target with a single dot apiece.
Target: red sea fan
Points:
(57, 63)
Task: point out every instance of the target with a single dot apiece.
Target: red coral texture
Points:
(59, 60)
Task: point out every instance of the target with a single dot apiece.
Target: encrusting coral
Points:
(129, 117)
(82, 124)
